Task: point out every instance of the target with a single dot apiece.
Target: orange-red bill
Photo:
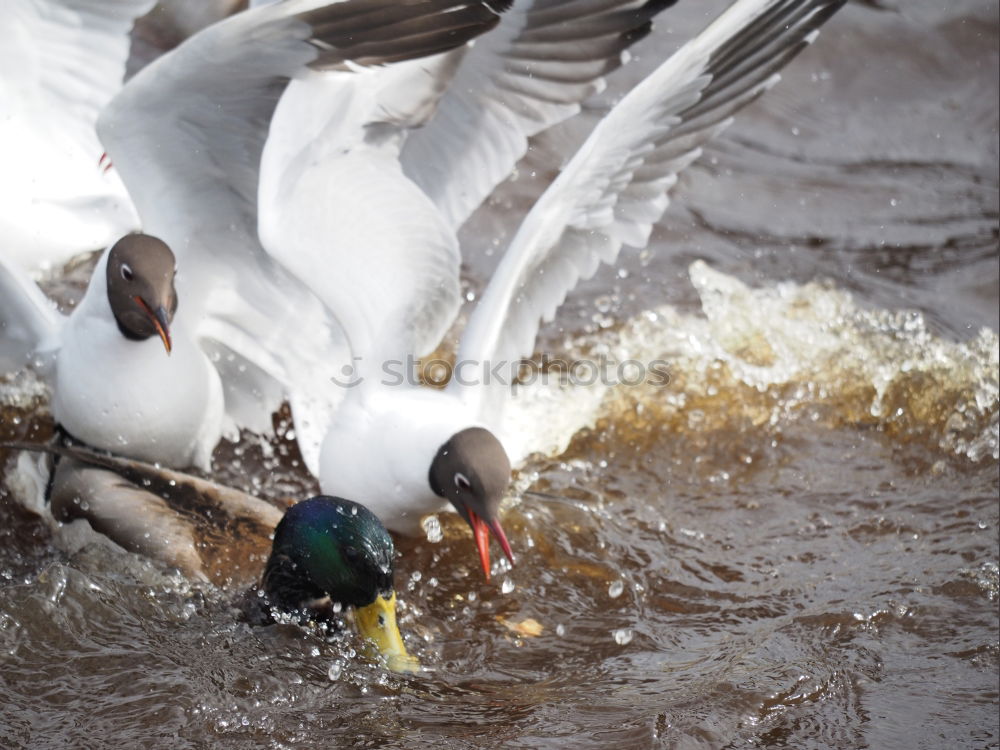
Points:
(481, 532)
(159, 320)
(502, 538)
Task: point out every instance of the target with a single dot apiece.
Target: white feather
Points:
(30, 325)
(61, 61)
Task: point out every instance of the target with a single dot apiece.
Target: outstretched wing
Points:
(615, 187)
(65, 59)
(545, 57)
(60, 63)
(187, 134)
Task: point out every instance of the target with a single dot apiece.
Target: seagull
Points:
(158, 367)
(344, 209)
(466, 116)
(60, 64)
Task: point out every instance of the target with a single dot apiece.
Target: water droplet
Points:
(615, 589)
(507, 586)
(432, 528)
(314, 651)
(334, 671)
(560, 630)
(623, 636)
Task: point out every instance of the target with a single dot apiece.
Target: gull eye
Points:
(127, 272)
(462, 482)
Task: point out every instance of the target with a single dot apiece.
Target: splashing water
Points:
(775, 354)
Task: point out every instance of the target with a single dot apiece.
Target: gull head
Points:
(472, 472)
(140, 280)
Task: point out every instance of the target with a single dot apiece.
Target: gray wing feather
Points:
(532, 72)
(615, 188)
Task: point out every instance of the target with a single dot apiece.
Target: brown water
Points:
(792, 544)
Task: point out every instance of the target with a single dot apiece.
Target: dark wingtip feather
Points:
(755, 53)
(385, 31)
(653, 7)
(633, 35)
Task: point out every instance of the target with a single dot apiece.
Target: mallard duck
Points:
(328, 554)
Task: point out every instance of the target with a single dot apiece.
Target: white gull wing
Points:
(531, 72)
(61, 61)
(68, 55)
(29, 321)
(187, 134)
(615, 187)
(337, 210)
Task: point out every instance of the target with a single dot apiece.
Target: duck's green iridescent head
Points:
(336, 549)
(339, 546)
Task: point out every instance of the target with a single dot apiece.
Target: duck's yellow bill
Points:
(377, 623)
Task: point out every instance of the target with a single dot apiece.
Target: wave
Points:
(768, 356)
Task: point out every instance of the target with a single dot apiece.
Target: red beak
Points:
(159, 318)
(481, 531)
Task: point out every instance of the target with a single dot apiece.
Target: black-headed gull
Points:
(339, 212)
(186, 135)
